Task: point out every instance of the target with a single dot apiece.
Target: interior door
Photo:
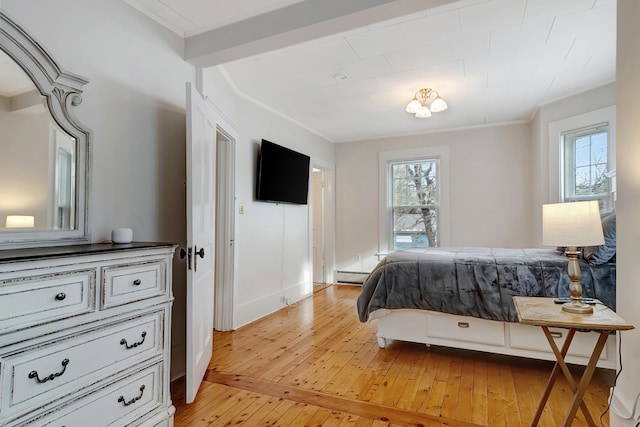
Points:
(201, 172)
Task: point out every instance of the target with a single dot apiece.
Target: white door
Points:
(201, 172)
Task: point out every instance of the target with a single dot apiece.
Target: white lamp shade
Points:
(423, 112)
(438, 105)
(19, 221)
(572, 224)
(413, 106)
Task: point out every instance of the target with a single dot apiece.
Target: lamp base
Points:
(578, 307)
(573, 271)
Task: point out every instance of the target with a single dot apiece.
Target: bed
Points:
(462, 297)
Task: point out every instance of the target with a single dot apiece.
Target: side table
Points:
(543, 312)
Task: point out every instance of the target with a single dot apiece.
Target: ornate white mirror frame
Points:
(61, 91)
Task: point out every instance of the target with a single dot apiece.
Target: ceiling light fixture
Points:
(418, 105)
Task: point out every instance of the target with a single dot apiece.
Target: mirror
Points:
(45, 151)
(40, 196)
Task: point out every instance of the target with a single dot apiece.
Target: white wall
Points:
(597, 98)
(273, 241)
(135, 105)
(628, 209)
(490, 193)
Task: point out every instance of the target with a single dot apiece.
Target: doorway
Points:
(225, 230)
(318, 240)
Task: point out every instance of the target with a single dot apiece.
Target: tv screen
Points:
(283, 175)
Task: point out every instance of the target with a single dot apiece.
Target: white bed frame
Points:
(434, 328)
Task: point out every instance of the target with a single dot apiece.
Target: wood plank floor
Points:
(314, 364)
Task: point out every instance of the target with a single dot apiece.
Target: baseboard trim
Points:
(352, 277)
(253, 310)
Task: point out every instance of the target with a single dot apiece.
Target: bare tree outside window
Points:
(586, 161)
(415, 203)
(591, 165)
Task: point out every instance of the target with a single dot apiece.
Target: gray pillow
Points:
(596, 255)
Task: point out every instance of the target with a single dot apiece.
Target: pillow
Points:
(596, 255)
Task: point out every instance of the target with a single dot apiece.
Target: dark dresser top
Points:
(13, 255)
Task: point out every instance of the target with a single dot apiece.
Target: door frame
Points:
(328, 215)
(318, 221)
(226, 228)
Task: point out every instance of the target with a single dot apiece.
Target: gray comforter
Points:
(476, 282)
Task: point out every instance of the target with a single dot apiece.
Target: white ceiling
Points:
(190, 17)
(493, 61)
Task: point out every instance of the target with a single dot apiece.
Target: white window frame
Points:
(385, 158)
(606, 115)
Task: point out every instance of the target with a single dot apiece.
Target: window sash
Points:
(400, 190)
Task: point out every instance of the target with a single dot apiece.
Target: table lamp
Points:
(573, 224)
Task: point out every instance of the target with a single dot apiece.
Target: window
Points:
(585, 161)
(413, 198)
(570, 164)
(414, 203)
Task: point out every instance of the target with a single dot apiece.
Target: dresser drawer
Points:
(117, 404)
(28, 301)
(45, 373)
(532, 338)
(463, 328)
(123, 284)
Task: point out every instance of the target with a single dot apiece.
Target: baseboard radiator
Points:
(351, 277)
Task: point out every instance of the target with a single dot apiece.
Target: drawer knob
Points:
(137, 282)
(135, 344)
(61, 296)
(556, 334)
(463, 324)
(34, 374)
(122, 400)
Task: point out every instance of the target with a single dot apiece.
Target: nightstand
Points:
(545, 313)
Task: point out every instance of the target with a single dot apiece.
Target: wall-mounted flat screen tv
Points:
(283, 174)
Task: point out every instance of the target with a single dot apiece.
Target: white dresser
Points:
(85, 335)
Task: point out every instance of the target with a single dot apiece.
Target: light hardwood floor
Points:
(315, 364)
